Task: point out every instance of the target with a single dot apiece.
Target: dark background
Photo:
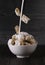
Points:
(35, 9)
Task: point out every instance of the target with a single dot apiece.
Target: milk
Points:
(21, 16)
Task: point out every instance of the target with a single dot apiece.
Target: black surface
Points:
(7, 58)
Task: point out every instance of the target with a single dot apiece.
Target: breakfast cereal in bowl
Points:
(22, 44)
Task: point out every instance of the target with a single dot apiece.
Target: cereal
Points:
(22, 42)
(17, 42)
(32, 41)
(17, 29)
(12, 42)
(17, 11)
(27, 38)
(24, 18)
(27, 43)
(23, 39)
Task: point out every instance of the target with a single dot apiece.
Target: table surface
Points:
(7, 58)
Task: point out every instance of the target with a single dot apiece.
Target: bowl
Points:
(22, 51)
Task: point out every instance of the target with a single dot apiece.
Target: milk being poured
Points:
(21, 16)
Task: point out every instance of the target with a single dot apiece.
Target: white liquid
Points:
(21, 16)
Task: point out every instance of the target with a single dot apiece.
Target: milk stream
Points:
(21, 15)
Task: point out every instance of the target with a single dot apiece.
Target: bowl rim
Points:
(36, 43)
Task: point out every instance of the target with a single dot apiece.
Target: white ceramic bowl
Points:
(22, 51)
